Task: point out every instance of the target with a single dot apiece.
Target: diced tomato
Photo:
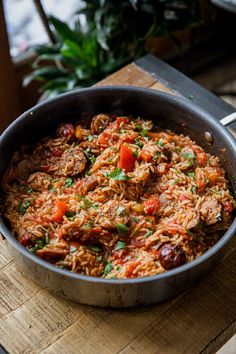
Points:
(104, 139)
(228, 206)
(79, 183)
(201, 184)
(127, 159)
(173, 229)
(131, 268)
(68, 130)
(57, 152)
(95, 230)
(60, 210)
(201, 158)
(152, 205)
(121, 120)
(145, 156)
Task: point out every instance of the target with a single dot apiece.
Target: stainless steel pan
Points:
(165, 110)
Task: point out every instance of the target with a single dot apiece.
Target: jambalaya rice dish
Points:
(116, 199)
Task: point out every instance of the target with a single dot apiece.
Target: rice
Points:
(116, 199)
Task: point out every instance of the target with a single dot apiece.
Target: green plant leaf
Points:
(63, 30)
(44, 73)
(71, 49)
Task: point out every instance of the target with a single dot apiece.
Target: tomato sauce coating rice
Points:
(116, 199)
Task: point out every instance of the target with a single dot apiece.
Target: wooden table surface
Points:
(200, 320)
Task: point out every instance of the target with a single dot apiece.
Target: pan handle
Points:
(231, 118)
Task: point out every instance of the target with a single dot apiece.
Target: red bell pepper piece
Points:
(151, 205)
(60, 210)
(120, 120)
(127, 159)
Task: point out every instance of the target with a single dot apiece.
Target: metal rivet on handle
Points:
(209, 138)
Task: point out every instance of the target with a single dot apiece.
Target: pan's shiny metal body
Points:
(166, 111)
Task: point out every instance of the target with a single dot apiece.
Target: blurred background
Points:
(53, 46)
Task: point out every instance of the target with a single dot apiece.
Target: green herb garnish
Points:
(119, 246)
(191, 174)
(122, 131)
(149, 233)
(194, 189)
(139, 143)
(118, 175)
(99, 259)
(87, 203)
(30, 190)
(160, 143)
(68, 182)
(138, 127)
(88, 225)
(136, 220)
(55, 180)
(39, 244)
(108, 268)
(96, 249)
(73, 249)
(23, 206)
(70, 215)
(90, 156)
(135, 153)
(90, 137)
(122, 228)
(51, 189)
(121, 210)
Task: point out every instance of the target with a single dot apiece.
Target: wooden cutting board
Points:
(200, 320)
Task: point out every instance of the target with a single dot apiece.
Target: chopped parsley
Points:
(55, 180)
(108, 268)
(189, 233)
(138, 127)
(194, 189)
(39, 244)
(99, 259)
(119, 246)
(157, 154)
(191, 174)
(190, 97)
(90, 156)
(87, 203)
(30, 190)
(90, 138)
(139, 143)
(70, 215)
(160, 143)
(144, 134)
(118, 175)
(96, 249)
(149, 233)
(23, 206)
(73, 249)
(121, 228)
(135, 153)
(51, 189)
(136, 220)
(122, 131)
(88, 225)
(121, 210)
(68, 182)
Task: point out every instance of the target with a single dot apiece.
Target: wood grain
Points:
(200, 320)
